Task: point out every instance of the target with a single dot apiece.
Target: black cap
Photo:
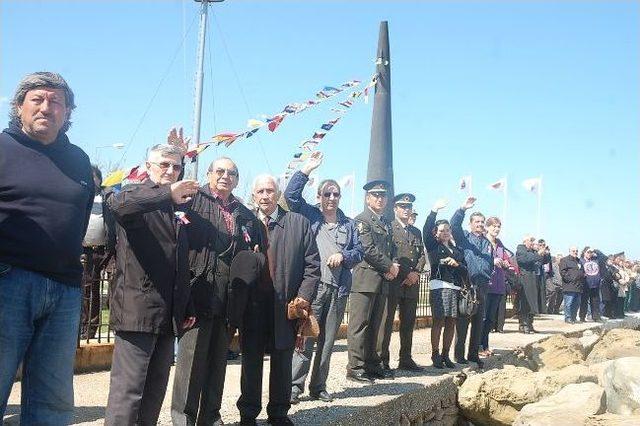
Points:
(414, 213)
(376, 186)
(404, 198)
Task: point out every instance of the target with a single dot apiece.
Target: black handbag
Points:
(467, 300)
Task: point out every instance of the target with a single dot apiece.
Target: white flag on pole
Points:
(498, 185)
(465, 183)
(532, 184)
(346, 181)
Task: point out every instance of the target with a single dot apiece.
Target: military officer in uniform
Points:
(369, 290)
(403, 291)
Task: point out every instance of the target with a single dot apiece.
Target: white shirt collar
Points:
(272, 217)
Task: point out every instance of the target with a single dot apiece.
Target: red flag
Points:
(275, 122)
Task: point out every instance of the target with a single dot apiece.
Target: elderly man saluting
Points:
(46, 194)
(151, 292)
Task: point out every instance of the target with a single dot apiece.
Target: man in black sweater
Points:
(46, 194)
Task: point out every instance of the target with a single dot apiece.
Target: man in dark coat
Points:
(478, 253)
(292, 273)
(573, 282)
(403, 291)
(150, 294)
(530, 262)
(221, 227)
(370, 288)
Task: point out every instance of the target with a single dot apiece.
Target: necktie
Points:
(267, 279)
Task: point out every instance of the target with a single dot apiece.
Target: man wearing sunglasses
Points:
(150, 296)
(221, 227)
(340, 250)
(403, 291)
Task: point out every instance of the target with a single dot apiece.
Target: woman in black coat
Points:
(448, 275)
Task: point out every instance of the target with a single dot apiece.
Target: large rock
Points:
(495, 397)
(598, 370)
(572, 405)
(621, 382)
(588, 340)
(549, 382)
(555, 353)
(608, 419)
(617, 343)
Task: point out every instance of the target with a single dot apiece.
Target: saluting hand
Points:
(312, 163)
(440, 204)
(183, 190)
(469, 202)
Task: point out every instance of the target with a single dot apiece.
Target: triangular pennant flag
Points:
(252, 122)
(224, 137)
(346, 104)
(331, 89)
(318, 135)
(274, 122)
(250, 133)
(194, 152)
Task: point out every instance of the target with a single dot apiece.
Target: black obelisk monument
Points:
(380, 148)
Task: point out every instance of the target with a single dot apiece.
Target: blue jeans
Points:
(571, 305)
(39, 320)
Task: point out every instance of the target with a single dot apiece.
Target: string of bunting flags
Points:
(138, 173)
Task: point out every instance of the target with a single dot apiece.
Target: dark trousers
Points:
(407, 308)
(366, 312)
(590, 301)
(502, 313)
(139, 375)
(477, 324)
(257, 338)
(494, 301)
(328, 308)
(93, 261)
(200, 373)
(554, 299)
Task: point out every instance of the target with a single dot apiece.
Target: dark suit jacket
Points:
(296, 270)
(375, 236)
(151, 288)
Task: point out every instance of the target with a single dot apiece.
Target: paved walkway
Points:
(91, 389)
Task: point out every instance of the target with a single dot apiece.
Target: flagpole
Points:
(353, 192)
(539, 204)
(504, 207)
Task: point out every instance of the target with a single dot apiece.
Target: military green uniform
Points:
(409, 253)
(368, 293)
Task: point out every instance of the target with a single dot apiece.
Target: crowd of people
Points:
(193, 261)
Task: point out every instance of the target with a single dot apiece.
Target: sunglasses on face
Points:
(165, 165)
(229, 172)
(329, 194)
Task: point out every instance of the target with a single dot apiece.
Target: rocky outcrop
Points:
(555, 353)
(621, 381)
(588, 340)
(495, 397)
(608, 419)
(549, 382)
(573, 404)
(616, 343)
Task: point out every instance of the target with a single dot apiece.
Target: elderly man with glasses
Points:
(340, 250)
(150, 296)
(221, 227)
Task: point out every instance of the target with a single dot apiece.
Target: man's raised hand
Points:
(469, 202)
(440, 204)
(312, 163)
(183, 190)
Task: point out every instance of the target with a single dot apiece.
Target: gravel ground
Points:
(91, 389)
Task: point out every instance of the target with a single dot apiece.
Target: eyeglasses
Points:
(165, 165)
(230, 172)
(329, 194)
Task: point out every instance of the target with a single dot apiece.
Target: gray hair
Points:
(165, 150)
(38, 80)
(235, 166)
(265, 176)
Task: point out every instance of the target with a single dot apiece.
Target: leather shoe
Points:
(295, 397)
(246, 421)
(280, 421)
(359, 377)
(448, 362)
(437, 360)
(322, 396)
(477, 360)
(461, 361)
(387, 373)
(409, 365)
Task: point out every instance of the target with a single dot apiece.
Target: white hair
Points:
(263, 177)
(164, 150)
